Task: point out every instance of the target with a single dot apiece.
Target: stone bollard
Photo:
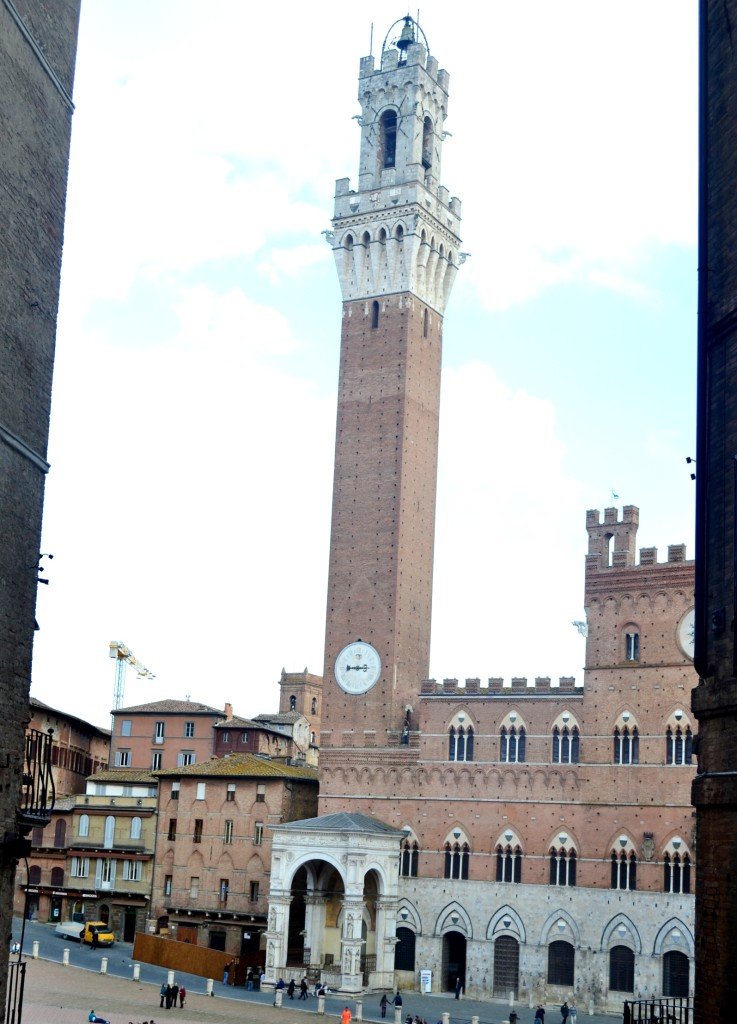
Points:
(397, 1015)
(359, 1009)
(65, 957)
(278, 996)
(321, 1005)
(208, 987)
(170, 978)
(136, 972)
(511, 997)
(591, 1007)
(103, 965)
(34, 949)
(446, 1018)
(474, 1020)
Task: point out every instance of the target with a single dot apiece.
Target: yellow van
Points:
(105, 936)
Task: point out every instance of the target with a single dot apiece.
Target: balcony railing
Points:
(667, 1010)
(16, 983)
(38, 793)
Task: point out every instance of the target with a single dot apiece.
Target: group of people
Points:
(568, 1013)
(169, 994)
(304, 988)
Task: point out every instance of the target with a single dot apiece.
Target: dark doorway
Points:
(561, 963)
(454, 960)
(55, 913)
(217, 941)
(105, 913)
(675, 974)
(129, 924)
(506, 966)
(621, 969)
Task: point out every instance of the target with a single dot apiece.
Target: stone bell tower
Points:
(396, 246)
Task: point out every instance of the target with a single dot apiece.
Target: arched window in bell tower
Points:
(374, 315)
(388, 136)
(427, 139)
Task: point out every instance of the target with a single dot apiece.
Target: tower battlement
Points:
(496, 685)
(612, 542)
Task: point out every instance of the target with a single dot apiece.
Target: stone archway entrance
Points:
(454, 960)
(333, 901)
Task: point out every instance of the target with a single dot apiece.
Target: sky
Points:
(193, 414)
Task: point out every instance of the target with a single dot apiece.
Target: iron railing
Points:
(666, 1010)
(16, 983)
(38, 792)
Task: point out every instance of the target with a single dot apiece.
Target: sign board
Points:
(426, 981)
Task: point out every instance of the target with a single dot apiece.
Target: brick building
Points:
(525, 836)
(213, 846)
(78, 748)
(38, 43)
(163, 734)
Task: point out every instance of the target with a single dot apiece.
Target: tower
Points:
(396, 246)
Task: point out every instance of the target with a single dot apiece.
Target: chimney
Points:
(228, 710)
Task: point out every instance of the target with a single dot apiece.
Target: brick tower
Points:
(396, 243)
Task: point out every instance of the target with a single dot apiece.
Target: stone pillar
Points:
(277, 934)
(386, 940)
(350, 947)
(315, 906)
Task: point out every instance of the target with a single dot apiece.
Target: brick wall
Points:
(35, 123)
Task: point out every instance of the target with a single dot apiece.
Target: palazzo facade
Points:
(525, 836)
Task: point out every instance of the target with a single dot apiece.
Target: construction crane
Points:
(125, 657)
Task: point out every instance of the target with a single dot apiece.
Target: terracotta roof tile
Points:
(243, 765)
(132, 775)
(169, 707)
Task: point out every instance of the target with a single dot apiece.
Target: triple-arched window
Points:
(677, 873)
(566, 744)
(678, 745)
(409, 858)
(624, 870)
(562, 866)
(456, 860)
(460, 743)
(508, 863)
(512, 743)
(626, 745)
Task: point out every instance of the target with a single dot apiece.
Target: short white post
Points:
(34, 948)
(398, 1015)
(359, 1009)
(208, 986)
(136, 972)
(446, 1017)
(103, 965)
(321, 1004)
(278, 996)
(65, 957)
(474, 1020)
(170, 978)
(511, 997)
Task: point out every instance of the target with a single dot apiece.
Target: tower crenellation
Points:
(399, 232)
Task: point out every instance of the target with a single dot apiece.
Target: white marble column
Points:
(315, 910)
(350, 947)
(386, 940)
(277, 933)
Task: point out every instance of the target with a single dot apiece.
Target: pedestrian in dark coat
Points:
(290, 988)
(382, 1006)
(162, 993)
(303, 989)
(398, 998)
(540, 1013)
(564, 1011)
(182, 995)
(167, 999)
(174, 994)
(459, 986)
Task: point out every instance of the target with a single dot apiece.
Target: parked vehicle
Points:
(103, 932)
(70, 930)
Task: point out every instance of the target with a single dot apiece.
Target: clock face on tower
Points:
(686, 633)
(357, 667)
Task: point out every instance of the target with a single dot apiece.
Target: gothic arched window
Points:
(374, 315)
(456, 860)
(562, 867)
(512, 743)
(678, 745)
(409, 859)
(677, 873)
(508, 864)
(427, 143)
(626, 745)
(624, 870)
(388, 138)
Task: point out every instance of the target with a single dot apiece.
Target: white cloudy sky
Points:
(194, 402)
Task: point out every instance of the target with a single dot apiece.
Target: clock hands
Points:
(357, 668)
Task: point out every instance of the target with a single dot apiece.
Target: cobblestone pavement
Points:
(65, 995)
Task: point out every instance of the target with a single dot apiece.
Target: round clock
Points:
(686, 633)
(357, 667)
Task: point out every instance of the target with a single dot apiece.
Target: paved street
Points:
(65, 994)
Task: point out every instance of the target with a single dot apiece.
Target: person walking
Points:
(249, 980)
(290, 988)
(162, 993)
(382, 1006)
(459, 986)
(346, 1016)
(572, 1013)
(167, 998)
(174, 994)
(540, 1013)
(397, 998)
(303, 991)
(182, 996)
(564, 1012)
(95, 939)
